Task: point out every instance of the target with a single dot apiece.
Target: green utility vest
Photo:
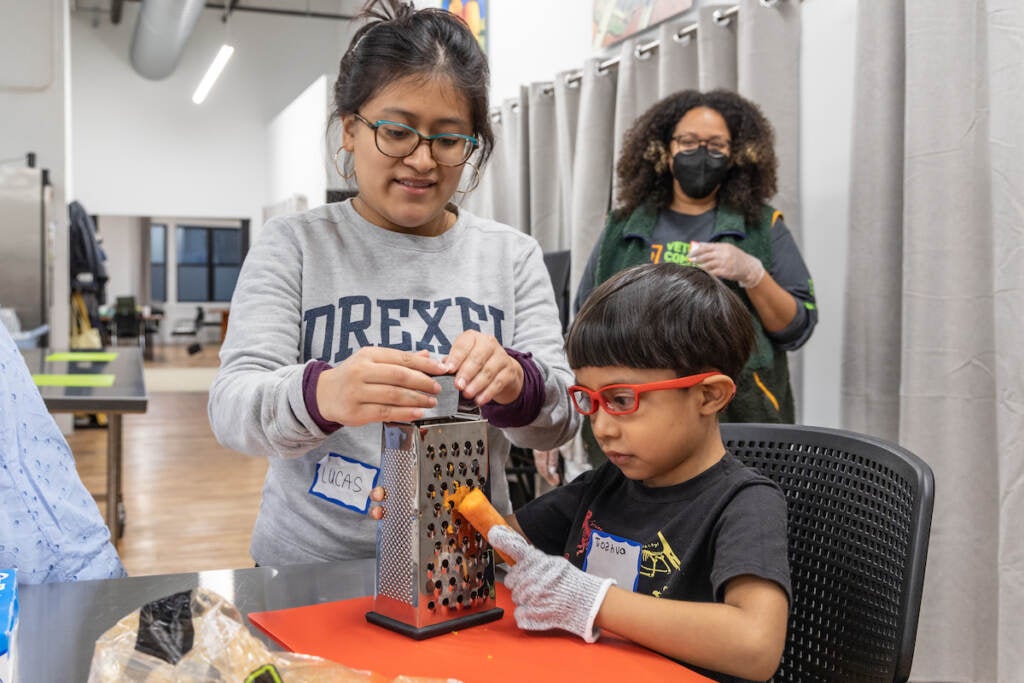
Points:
(763, 392)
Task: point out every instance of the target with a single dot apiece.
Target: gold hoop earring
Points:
(476, 179)
(337, 168)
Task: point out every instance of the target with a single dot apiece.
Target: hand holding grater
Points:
(435, 572)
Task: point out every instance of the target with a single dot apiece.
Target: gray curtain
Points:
(553, 172)
(768, 72)
(637, 90)
(677, 60)
(592, 167)
(545, 214)
(935, 252)
(716, 49)
(567, 112)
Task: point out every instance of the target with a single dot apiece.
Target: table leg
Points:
(114, 475)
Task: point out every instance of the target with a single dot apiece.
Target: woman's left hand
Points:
(728, 261)
(483, 371)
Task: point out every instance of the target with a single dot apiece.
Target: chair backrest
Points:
(557, 263)
(125, 305)
(126, 317)
(860, 512)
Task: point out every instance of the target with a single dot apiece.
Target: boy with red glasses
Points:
(673, 543)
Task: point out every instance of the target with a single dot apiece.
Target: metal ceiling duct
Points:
(162, 29)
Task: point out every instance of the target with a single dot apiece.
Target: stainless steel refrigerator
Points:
(26, 244)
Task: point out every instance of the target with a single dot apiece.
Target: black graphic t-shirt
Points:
(682, 542)
(693, 537)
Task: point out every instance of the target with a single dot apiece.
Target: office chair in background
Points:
(860, 511)
(127, 323)
(191, 327)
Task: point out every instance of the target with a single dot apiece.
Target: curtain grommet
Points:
(720, 18)
(769, 4)
(644, 52)
(682, 36)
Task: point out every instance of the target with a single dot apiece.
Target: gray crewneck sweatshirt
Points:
(318, 286)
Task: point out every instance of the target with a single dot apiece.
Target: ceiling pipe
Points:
(162, 29)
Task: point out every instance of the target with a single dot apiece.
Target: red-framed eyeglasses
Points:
(623, 399)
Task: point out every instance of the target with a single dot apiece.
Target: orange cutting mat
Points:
(490, 653)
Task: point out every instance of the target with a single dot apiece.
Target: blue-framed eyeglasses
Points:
(398, 141)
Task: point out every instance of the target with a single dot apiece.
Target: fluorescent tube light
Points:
(212, 73)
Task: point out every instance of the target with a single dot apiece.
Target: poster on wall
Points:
(474, 13)
(616, 20)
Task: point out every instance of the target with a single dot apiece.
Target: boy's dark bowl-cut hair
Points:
(662, 315)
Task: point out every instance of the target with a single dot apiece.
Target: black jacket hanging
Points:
(86, 254)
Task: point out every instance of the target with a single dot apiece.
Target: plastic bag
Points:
(198, 636)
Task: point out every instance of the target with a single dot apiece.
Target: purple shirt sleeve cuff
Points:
(309, 379)
(524, 409)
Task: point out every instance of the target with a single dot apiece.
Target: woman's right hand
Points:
(377, 384)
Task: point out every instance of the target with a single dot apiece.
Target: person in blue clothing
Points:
(50, 527)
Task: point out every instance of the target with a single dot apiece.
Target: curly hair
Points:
(645, 169)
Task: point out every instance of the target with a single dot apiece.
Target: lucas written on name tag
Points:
(344, 481)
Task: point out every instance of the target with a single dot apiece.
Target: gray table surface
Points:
(126, 395)
(60, 622)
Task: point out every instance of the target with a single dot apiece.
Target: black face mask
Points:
(698, 173)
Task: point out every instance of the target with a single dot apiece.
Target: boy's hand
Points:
(549, 592)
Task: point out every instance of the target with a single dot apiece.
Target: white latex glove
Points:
(549, 592)
(728, 261)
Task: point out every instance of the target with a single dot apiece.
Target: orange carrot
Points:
(475, 507)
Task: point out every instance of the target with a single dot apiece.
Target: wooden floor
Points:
(189, 503)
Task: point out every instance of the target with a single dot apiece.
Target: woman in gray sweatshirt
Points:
(343, 315)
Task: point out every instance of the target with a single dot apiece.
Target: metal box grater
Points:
(435, 573)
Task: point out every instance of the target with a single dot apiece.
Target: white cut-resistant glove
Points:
(549, 592)
(728, 261)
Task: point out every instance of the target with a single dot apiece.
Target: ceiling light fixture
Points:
(212, 73)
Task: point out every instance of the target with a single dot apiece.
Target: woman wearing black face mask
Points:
(695, 174)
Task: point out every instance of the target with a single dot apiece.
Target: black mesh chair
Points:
(127, 322)
(860, 511)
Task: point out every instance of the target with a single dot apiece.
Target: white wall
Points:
(142, 148)
(532, 40)
(33, 106)
(826, 108)
(296, 145)
(122, 243)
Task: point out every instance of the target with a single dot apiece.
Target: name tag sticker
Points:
(345, 482)
(612, 557)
